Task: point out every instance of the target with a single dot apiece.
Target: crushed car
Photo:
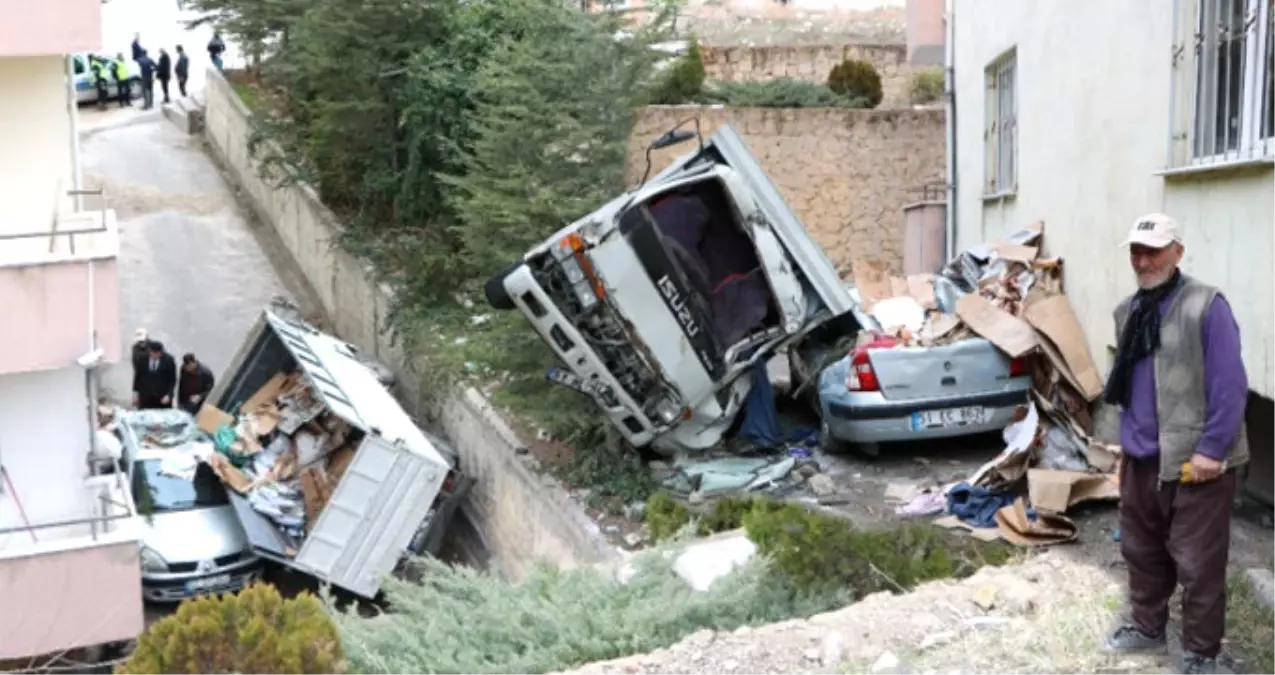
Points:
(662, 301)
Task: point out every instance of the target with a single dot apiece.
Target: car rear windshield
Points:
(156, 492)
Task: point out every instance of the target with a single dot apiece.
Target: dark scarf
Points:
(1140, 339)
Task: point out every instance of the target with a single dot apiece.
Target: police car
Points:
(86, 92)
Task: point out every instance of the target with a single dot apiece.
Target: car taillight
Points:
(861, 377)
(1018, 367)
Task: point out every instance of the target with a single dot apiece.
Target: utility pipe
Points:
(73, 112)
(949, 79)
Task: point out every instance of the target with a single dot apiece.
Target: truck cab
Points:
(659, 303)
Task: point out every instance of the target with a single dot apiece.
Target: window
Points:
(1232, 104)
(1000, 135)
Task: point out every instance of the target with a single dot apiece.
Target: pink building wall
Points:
(47, 314)
(62, 599)
(42, 27)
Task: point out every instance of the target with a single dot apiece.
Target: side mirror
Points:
(671, 138)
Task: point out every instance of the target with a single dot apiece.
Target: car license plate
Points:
(569, 379)
(948, 417)
(208, 582)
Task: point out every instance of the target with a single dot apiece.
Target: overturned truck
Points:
(660, 302)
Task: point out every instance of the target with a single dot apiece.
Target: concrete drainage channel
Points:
(515, 515)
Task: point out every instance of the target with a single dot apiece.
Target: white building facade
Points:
(1087, 114)
(69, 536)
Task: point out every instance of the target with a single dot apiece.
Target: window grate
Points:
(1001, 134)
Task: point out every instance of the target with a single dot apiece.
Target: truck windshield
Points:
(157, 492)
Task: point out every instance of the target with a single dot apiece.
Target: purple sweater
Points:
(1225, 389)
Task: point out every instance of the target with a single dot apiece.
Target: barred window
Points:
(1232, 95)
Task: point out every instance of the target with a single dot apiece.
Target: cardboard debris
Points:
(1057, 491)
(1102, 456)
(1054, 317)
(210, 419)
(871, 280)
(1009, 333)
(267, 394)
(1017, 528)
(1015, 252)
(316, 490)
(921, 287)
(339, 461)
(229, 474)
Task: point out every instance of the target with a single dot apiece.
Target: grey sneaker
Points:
(1193, 663)
(1129, 638)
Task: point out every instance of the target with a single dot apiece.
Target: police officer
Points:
(123, 89)
(98, 69)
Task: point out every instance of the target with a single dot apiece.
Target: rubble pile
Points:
(284, 452)
(1007, 294)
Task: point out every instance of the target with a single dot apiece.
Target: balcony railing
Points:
(73, 583)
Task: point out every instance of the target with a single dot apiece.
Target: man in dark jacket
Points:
(216, 47)
(137, 46)
(182, 70)
(164, 72)
(153, 385)
(195, 383)
(147, 67)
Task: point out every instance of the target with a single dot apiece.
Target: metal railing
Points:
(94, 522)
(54, 232)
(933, 191)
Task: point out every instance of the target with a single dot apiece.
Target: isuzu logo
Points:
(678, 304)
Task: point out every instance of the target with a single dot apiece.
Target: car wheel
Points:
(829, 443)
(872, 450)
(495, 291)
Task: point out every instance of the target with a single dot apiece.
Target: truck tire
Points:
(495, 291)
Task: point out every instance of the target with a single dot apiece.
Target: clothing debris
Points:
(977, 505)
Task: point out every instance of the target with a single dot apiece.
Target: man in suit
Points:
(154, 383)
(195, 383)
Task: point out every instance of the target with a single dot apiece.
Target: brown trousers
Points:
(1175, 533)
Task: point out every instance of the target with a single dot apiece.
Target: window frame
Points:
(1202, 73)
(1000, 131)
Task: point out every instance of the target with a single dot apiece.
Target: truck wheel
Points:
(495, 291)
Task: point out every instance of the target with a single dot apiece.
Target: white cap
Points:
(1155, 230)
(140, 335)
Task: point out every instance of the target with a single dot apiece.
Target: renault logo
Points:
(947, 366)
(204, 566)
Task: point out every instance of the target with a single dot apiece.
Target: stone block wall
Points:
(847, 173)
(810, 63)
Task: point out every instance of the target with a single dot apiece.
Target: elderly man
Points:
(1181, 387)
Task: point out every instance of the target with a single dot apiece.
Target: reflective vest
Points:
(97, 68)
(121, 71)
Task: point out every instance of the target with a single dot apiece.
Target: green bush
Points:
(819, 553)
(459, 620)
(253, 631)
(782, 92)
(683, 80)
(856, 79)
(926, 85)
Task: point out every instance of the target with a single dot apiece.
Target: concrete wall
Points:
(37, 27)
(44, 448)
(521, 514)
(35, 143)
(811, 63)
(847, 173)
(1093, 144)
